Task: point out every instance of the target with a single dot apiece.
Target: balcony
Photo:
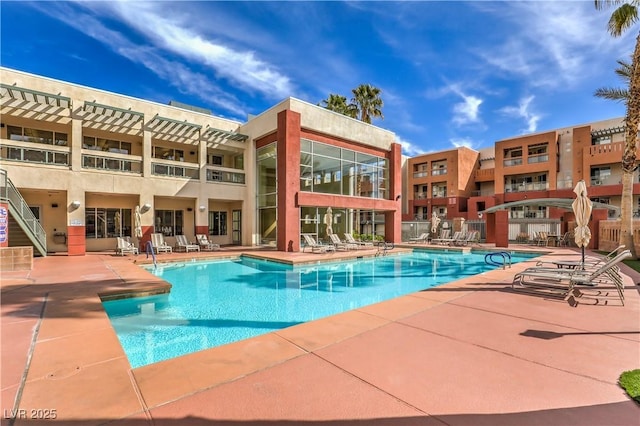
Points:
(175, 169)
(524, 187)
(112, 162)
(27, 152)
(509, 162)
(420, 174)
(419, 195)
(538, 158)
(609, 180)
(439, 194)
(438, 172)
(219, 175)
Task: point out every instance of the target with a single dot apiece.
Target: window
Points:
(602, 140)
(168, 153)
(217, 223)
(169, 222)
(108, 145)
(601, 176)
(48, 137)
(216, 160)
(107, 223)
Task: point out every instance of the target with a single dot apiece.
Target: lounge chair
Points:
(182, 244)
(205, 244)
(471, 237)
(351, 240)
(315, 246)
(125, 247)
(457, 236)
(445, 235)
(341, 245)
(422, 238)
(564, 281)
(159, 244)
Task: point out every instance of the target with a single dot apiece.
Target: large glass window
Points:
(169, 222)
(107, 223)
(217, 223)
(362, 224)
(108, 145)
(266, 194)
(25, 134)
(331, 170)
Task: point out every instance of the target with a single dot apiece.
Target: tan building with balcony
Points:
(83, 160)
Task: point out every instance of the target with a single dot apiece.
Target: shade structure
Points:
(137, 223)
(582, 207)
(435, 221)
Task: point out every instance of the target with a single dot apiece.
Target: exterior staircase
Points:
(23, 227)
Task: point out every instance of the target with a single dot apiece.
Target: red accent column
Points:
(288, 145)
(502, 228)
(76, 241)
(393, 219)
(4, 225)
(594, 226)
(490, 224)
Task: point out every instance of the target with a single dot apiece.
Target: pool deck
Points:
(471, 352)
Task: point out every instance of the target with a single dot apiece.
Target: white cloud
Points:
(467, 111)
(408, 148)
(460, 142)
(523, 110)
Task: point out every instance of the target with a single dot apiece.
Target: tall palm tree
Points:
(338, 103)
(368, 102)
(624, 17)
(618, 94)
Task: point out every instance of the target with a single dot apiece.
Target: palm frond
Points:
(622, 19)
(612, 93)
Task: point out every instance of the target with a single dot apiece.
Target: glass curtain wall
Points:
(332, 170)
(267, 194)
(362, 224)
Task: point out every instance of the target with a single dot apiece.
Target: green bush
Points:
(630, 382)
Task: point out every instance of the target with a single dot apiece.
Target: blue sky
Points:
(451, 73)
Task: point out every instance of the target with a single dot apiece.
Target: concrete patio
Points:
(472, 352)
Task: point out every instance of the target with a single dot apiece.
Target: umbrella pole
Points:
(582, 257)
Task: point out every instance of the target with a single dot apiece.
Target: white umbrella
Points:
(137, 224)
(116, 223)
(435, 221)
(582, 207)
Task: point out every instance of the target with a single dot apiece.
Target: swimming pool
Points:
(213, 303)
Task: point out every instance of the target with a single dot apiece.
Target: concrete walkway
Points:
(472, 352)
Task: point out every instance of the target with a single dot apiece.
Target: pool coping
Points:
(51, 372)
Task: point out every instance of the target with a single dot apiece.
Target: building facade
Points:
(545, 165)
(85, 160)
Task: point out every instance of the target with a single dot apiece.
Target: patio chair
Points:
(471, 237)
(123, 247)
(315, 246)
(159, 244)
(564, 281)
(205, 244)
(445, 235)
(351, 240)
(422, 238)
(341, 245)
(182, 244)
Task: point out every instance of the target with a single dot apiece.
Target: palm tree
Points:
(623, 18)
(368, 102)
(339, 104)
(618, 94)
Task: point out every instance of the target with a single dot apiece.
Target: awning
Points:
(216, 136)
(561, 203)
(174, 130)
(34, 96)
(110, 115)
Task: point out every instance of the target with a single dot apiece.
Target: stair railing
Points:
(22, 213)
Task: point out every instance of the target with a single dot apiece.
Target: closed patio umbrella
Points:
(582, 207)
(137, 224)
(435, 221)
(328, 220)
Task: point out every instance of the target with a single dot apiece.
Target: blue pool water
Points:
(212, 303)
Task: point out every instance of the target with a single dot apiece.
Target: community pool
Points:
(216, 302)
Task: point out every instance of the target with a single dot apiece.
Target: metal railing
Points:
(175, 170)
(22, 213)
(217, 175)
(110, 163)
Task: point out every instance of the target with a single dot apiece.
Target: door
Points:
(236, 227)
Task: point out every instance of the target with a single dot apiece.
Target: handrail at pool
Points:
(149, 248)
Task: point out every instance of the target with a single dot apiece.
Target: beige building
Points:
(84, 159)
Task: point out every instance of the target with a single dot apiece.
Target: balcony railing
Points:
(438, 172)
(508, 162)
(482, 193)
(523, 187)
(538, 158)
(51, 155)
(113, 162)
(172, 169)
(422, 173)
(610, 180)
(439, 194)
(219, 175)
(564, 184)
(419, 195)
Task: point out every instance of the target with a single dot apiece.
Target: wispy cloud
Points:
(409, 148)
(467, 111)
(523, 110)
(460, 142)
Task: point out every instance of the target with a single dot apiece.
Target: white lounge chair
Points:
(205, 244)
(471, 237)
(445, 236)
(422, 238)
(182, 244)
(125, 247)
(341, 245)
(159, 244)
(315, 246)
(351, 240)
